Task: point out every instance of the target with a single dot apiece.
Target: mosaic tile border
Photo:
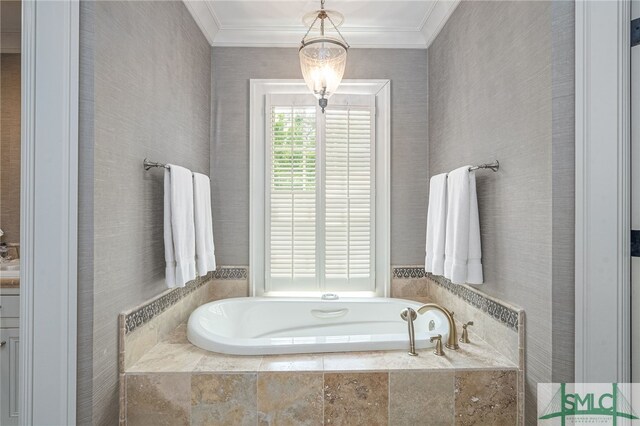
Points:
(502, 313)
(155, 307)
(409, 272)
(231, 273)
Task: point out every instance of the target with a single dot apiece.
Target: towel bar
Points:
(493, 166)
(149, 164)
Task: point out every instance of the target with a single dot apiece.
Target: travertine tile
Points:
(139, 342)
(385, 360)
(122, 399)
(504, 339)
(169, 358)
(142, 339)
(486, 397)
(216, 362)
(290, 399)
(404, 288)
(121, 334)
(477, 355)
(225, 289)
(158, 399)
(356, 399)
(177, 336)
(301, 362)
(223, 399)
(168, 320)
(355, 361)
(426, 360)
(495, 334)
(421, 398)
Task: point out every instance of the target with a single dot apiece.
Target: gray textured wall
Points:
(563, 187)
(10, 146)
(501, 86)
(145, 92)
(232, 69)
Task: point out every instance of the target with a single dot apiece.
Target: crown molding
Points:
(290, 38)
(435, 19)
(391, 38)
(205, 18)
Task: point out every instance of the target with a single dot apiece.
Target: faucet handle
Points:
(438, 339)
(465, 332)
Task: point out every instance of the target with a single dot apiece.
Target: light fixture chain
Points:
(337, 30)
(310, 27)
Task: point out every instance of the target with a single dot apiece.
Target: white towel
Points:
(179, 232)
(205, 257)
(463, 253)
(436, 224)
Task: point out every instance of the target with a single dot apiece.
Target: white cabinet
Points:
(9, 376)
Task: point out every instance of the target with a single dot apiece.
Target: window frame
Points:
(259, 90)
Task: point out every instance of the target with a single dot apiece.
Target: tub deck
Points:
(176, 355)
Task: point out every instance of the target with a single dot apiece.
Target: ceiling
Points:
(372, 23)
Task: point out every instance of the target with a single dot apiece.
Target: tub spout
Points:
(452, 341)
(409, 315)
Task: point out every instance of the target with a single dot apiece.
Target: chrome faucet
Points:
(452, 341)
(409, 315)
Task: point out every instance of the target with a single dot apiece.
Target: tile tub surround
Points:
(499, 324)
(313, 375)
(372, 388)
(144, 326)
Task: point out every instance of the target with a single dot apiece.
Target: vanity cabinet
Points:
(9, 338)
(9, 356)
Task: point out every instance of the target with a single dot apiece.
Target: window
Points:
(318, 207)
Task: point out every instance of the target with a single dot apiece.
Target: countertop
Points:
(9, 282)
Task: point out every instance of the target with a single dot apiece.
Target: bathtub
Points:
(267, 326)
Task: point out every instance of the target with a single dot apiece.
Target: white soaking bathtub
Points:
(267, 326)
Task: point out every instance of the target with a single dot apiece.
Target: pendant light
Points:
(323, 57)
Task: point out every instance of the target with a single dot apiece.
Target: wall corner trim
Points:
(602, 260)
(49, 217)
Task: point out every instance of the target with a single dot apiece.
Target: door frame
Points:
(602, 222)
(49, 210)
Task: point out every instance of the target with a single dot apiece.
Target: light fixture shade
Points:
(322, 61)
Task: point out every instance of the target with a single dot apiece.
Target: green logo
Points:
(610, 404)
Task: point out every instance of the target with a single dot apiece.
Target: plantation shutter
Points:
(292, 193)
(319, 211)
(349, 198)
